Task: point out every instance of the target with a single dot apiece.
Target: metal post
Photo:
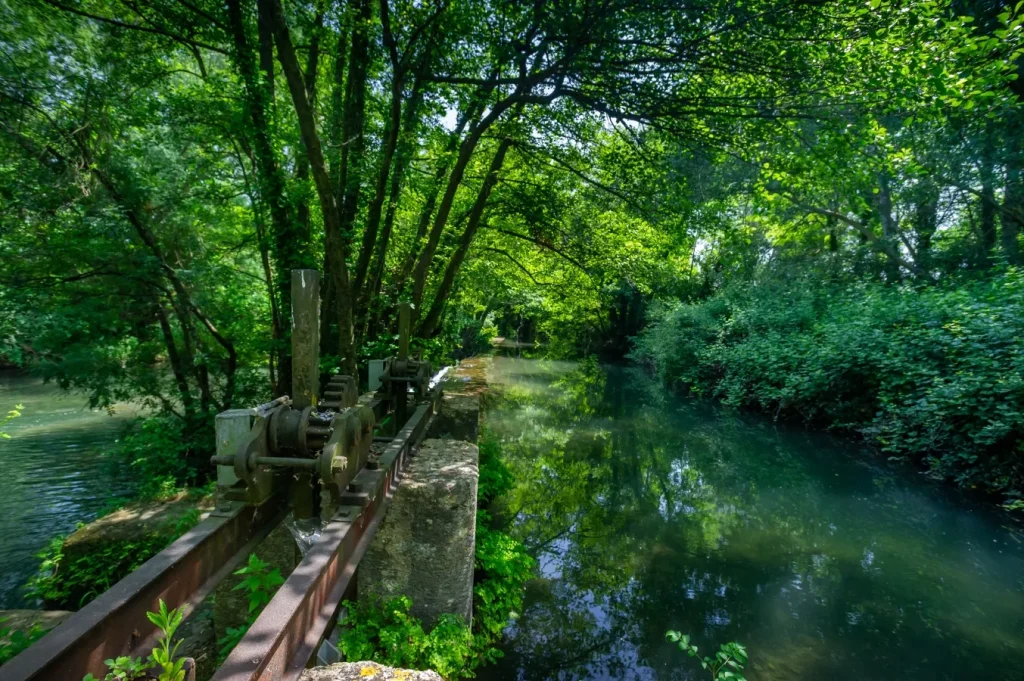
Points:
(305, 338)
(305, 369)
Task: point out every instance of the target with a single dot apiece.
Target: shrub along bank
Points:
(157, 453)
(931, 374)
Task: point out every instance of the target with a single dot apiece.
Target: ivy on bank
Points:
(388, 634)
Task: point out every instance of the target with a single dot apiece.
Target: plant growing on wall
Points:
(162, 663)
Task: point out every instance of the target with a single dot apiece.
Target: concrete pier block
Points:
(457, 419)
(24, 620)
(425, 546)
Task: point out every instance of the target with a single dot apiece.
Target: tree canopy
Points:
(540, 169)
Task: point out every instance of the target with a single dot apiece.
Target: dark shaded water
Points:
(53, 473)
(649, 512)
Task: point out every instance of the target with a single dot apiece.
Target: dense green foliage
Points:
(825, 229)
(64, 584)
(387, 633)
(159, 453)
(569, 165)
(933, 374)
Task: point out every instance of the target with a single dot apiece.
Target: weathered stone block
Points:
(141, 524)
(134, 521)
(24, 620)
(366, 671)
(457, 419)
(425, 545)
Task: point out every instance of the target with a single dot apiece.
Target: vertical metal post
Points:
(305, 369)
(305, 338)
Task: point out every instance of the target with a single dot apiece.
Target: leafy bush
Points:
(163, 664)
(930, 374)
(69, 585)
(162, 456)
(495, 477)
(387, 633)
(506, 567)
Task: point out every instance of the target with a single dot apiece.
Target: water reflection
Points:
(54, 474)
(647, 512)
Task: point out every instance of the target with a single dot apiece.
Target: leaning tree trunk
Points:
(430, 322)
(333, 237)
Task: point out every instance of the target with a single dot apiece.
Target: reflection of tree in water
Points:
(646, 516)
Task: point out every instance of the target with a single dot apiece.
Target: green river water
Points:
(648, 512)
(54, 473)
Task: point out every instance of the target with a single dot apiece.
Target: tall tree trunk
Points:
(427, 211)
(333, 238)
(265, 38)
(883, 203)
(403, 158)
(1012, 215)
(287, 249)
(926, 210)
(177, 367)
(988, 205)
(353, 141)
(392, 130)
(301, 159)
(329, 336)
(466, 150)
(430, 322)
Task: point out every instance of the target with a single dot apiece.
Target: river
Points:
(54, 473)
(647, 512)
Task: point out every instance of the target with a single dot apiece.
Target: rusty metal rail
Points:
(288, 631)
(115, 623)
(286, 634)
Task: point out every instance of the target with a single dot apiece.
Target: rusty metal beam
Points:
(285, 635)
(115, 623)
